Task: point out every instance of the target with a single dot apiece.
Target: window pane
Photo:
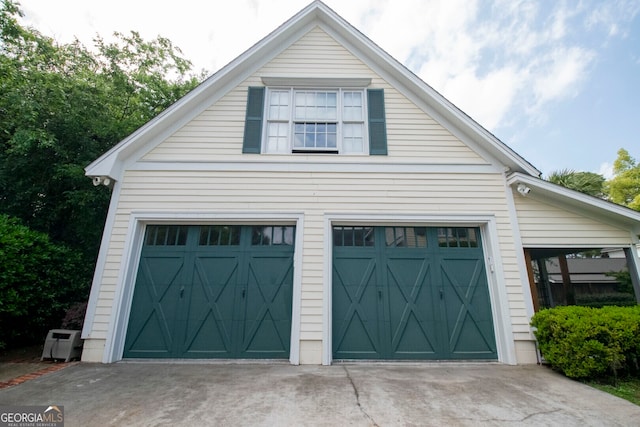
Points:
(273, 235)
(332, 133)
(166, 235)
(409, 237)
(279, 105)
(277, 138)
(321, 140)
(220, 235)
(315, 135)
(353, 236)
(352, 138)
(352, 106)
(312, 106)
(458, 237)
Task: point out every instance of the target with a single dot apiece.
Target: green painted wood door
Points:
(410, 293)
(213, 292)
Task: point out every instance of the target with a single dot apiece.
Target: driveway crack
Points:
(357, 394)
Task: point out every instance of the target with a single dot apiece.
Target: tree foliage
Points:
(37, 278)
(585, 182)
(62, 106)
(624, 187)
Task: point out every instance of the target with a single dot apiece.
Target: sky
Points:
(557, 81)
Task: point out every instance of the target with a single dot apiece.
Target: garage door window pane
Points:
(220, 235)
(406, 237)
(273, 235)
(166, 235)
(353, 236)
(457, 237)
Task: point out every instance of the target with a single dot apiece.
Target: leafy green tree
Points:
(38, 281)
(584, 182)
(624, 187)
(62, 106)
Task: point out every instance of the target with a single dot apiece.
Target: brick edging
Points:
(34, 375)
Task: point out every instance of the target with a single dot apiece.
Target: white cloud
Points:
(560, 72)
(606, 170)
(612, 16)
(495, 60)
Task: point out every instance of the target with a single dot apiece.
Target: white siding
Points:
(543, 224)
(216, 134)
(313, 194)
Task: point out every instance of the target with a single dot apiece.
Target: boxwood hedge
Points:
(586, 342)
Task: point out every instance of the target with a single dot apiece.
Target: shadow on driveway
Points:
(429, 394)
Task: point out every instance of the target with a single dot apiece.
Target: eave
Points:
(113, 162)
(549, 192)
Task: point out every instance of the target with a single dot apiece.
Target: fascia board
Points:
(546, 191)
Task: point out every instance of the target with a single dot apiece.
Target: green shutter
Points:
(253, 122)
(377, 122)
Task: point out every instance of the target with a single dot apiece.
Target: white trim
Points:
(118, 322)
(493, 262)
(519, 252)
(502, 322)
(101, 261)
(583, 204)
(291, 121)
(579, 247)
(318, 82)
(312, 163)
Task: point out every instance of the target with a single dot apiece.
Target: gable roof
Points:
(113, 162)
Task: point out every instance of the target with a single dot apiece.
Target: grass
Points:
(628, 389)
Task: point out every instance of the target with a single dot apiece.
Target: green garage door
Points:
(213, 292)
(410, 293)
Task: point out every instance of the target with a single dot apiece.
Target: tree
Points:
(584, 182)
(38, 280)
(624, 187)
(61, 107)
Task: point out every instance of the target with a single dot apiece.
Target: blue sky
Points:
(558, 81)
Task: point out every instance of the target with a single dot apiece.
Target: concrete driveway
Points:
(218, 394)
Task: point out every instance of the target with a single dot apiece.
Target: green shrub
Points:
(585, 342)
(601, 300)
(38, 281)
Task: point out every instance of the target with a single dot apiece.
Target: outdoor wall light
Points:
(104, 180)
(523, 189)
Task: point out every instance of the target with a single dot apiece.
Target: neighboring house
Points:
(316, 201)
(586, 278)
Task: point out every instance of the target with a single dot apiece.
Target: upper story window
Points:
(327, 120)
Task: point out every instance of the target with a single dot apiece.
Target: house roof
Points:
(113, 162)
(549, 192)
(587, 270)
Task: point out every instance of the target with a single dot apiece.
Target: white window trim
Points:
(291, 122)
